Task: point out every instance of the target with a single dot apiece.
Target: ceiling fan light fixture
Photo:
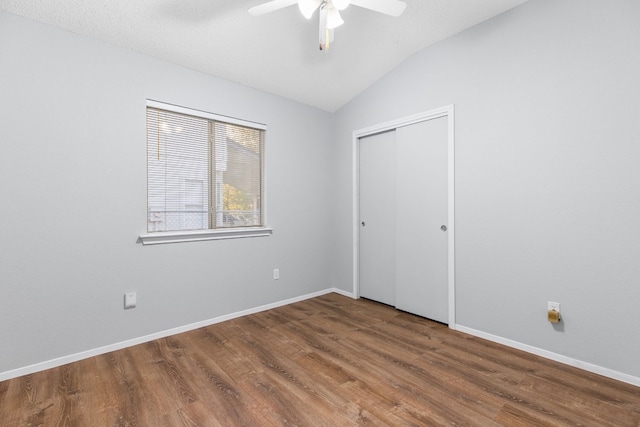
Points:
(341, 4)
(307, 7)
(334, 19)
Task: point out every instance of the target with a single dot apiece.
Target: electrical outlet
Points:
(276, 273)
(553, 306)
(129, 300)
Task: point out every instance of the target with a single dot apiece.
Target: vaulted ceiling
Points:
(277, 52)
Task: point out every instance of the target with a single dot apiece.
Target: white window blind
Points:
(202, 172)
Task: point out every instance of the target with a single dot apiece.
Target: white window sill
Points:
(199, 235)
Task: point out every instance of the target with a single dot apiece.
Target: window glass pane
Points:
(177, 170)
(238, 159)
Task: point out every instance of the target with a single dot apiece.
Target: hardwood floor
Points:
(328, 361)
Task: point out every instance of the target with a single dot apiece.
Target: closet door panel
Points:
(421, 219)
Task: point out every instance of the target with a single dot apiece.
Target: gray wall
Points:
(547, 130)
(547, 102)
(73, 199)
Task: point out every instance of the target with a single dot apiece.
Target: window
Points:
(204, 172)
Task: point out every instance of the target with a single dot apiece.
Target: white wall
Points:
(547, 103)
(73, 199)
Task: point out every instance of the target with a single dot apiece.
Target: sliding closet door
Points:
(421, 219)
(377, 238)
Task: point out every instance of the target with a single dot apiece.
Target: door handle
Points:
(363, 224)
(443, 227)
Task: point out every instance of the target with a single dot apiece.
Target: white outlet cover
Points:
(129, 300)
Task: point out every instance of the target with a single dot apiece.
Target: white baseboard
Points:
(610, 373)
(135, 341)
(606, 372)
(343, 293)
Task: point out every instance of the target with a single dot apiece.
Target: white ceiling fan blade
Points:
(270, 6)
(388, 7)
(307, 7)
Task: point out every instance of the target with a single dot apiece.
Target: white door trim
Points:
(448, 112)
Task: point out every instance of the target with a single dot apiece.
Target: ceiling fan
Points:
(330, 12)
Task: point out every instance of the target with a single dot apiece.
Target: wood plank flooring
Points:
(328, 361)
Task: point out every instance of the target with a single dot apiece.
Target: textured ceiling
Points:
(276, 53)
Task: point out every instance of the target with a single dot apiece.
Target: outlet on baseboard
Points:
(276, 273)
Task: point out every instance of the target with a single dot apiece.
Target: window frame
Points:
(159, 237)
